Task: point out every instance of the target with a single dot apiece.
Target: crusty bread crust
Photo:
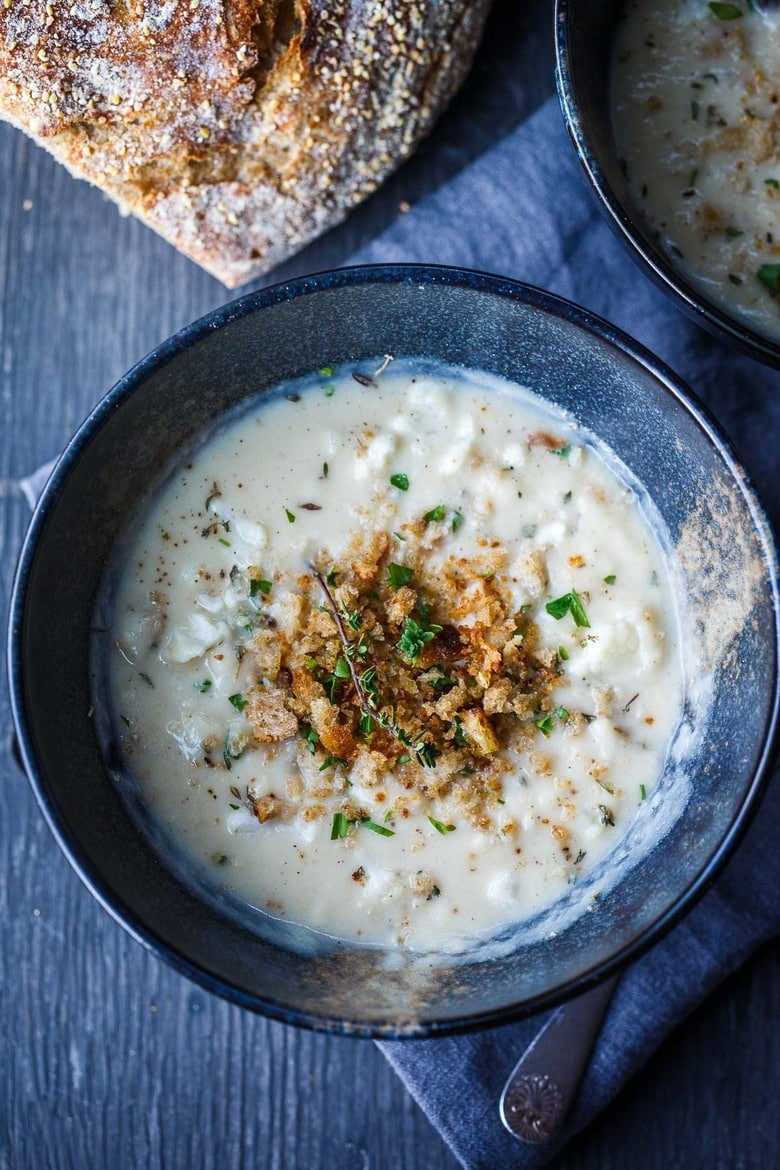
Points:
(237, 129)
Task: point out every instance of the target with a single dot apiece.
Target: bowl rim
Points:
(167, 351)
(650, 259)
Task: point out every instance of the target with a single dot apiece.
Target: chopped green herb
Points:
(568, 603)
(339, 826)
(610, 580)
(310, 738)
(562, 713)
(440, 827)
(769, 275)
(400, 481)
(734, 233)
(725, 11)
(125, 720)
(352, 617)
(238, 701)
(545, 725)
(457, 520)
(333, 762)
(414, 636)
(256, 586)
(398, 575)
(772, 183)
(290, 515)
(228, 752)
(562, 451)
(341, 669)
(567, 497)
(563, 654)
(653, 578)
(332, 577)
(529, 530)
(437, 513)
(399, 536)
(225, 542)
(366, 723)
(205, 686)
(580, 857)
(607, 817)
(405, 758)
(326, 371)
(369, 685)
(235, 807)
(375, 828)
(441, 680)
(329, 389)
(643, 792)
(460, 739)
(427, 754)
(325, 470)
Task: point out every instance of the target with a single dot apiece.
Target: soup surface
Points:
(696, 116)
(394, 655)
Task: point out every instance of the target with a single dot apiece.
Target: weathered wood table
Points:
(110, 1061)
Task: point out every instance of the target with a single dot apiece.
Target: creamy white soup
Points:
(395, 656)
(696, 117)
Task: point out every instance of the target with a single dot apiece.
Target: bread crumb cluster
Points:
(401, 671)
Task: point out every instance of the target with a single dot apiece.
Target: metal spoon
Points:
(543, 1085)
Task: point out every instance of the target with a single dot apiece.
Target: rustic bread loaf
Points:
(237, 129)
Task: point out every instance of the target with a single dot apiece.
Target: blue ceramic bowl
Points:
(583, 40)
(614, 389)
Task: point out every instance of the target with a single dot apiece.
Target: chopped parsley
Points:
(772, 183)
(333, 762)
(440, 827)
(310, 738)
(569, 603)
(435, 514)
(769, 275)
(725, 11)
(529, 530)
(562, 452)
(205, 686)
(326, 371)
(225, 542)
(290, 515)
(545, 725)
(607, 817)
(643, 792)
(460, 738)
(400, 481)
(563, 654)
(125, 720)
(238, 701)
(256, 586)
(734, 233)
(562, 714)
(457, 520)
(341, 669)
(398, 575)
(580, 857)
(610, 580)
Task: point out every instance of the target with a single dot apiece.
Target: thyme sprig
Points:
(366, 687)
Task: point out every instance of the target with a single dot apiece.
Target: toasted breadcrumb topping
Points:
(384, 668)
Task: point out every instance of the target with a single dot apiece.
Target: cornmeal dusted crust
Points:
(237, 129)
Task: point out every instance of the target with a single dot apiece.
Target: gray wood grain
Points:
(111, 1060)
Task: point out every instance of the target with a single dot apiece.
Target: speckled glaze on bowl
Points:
(617, 391)
(583, 39)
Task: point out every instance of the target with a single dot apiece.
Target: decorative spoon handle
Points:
(541, 1089)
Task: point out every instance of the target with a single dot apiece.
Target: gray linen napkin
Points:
(524, 210)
